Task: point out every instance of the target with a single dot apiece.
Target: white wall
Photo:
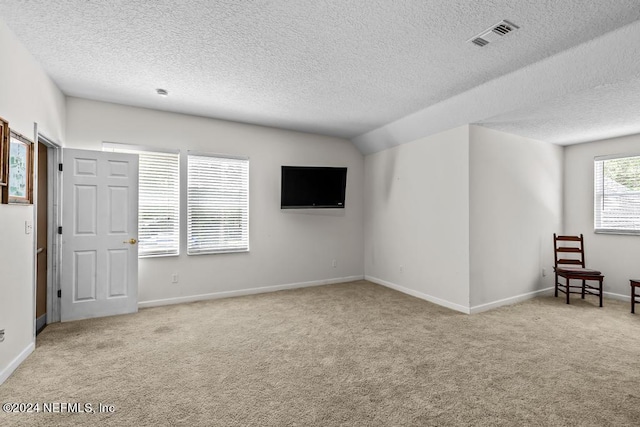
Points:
(417, 216)
(515, 207)
(287, 246)
(617, 256)
(469, 214)
(27, 95)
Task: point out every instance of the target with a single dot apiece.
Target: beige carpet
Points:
(347, 354)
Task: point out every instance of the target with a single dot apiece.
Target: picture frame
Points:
(19, 188)
(4, 151)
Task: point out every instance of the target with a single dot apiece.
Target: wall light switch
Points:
(28, 227)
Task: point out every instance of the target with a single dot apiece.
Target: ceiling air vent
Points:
(479, 41)
(493, 33)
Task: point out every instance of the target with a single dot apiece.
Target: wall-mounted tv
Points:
(313, 187)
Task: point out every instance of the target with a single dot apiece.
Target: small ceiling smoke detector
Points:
(493, 33)
(162, 92)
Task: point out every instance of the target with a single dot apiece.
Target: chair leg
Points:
(556, 294)
(567, 290)
(584, 283)
(633, 299)
(600, 292)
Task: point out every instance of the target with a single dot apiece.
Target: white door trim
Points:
(54, 205)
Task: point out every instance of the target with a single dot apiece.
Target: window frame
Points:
(597, 197)
(191, 153)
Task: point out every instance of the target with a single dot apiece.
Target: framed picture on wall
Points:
(19, 188)
(4, 151)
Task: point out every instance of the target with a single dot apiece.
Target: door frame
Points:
(54, 214)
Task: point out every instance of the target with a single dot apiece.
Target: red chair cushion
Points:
(579, 270)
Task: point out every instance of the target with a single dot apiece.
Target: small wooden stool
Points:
(634, 284)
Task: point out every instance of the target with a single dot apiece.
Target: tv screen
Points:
(311, 187)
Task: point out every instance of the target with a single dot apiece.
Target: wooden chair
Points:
(570, 264)
(634, 284)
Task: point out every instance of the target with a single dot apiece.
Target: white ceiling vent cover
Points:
(493, 33)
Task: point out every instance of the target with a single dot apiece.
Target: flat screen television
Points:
(313, 187)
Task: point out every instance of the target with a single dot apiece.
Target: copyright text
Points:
(57, 408)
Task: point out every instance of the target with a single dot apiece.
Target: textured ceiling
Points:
(609, 63)
(336, 67)
(605, 111)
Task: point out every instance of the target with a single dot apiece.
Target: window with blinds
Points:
(217, 204)
(158, 200)
(617, 194)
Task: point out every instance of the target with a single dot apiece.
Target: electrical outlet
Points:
(1, 335)
(334, 263)
(401, 268)
(174, 278)
(544, 272)
(28, 227)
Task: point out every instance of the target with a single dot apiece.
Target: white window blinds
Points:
(158, 200)
(617, 194)
(217, 204)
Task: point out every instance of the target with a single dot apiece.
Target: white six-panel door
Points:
(99, 232)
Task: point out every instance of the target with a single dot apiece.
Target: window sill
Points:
(619, 232)
(239, 251)
(157, 256)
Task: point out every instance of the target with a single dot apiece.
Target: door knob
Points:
(131, 241)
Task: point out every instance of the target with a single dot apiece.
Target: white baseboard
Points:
(6, 372)
(507, 301)
(435, 300)
(619, 297)
(459, 307)
(251, 291)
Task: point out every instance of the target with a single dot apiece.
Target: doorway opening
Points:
(47, 211)
(41, 237)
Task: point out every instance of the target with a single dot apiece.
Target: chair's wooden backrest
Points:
(569, 254)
